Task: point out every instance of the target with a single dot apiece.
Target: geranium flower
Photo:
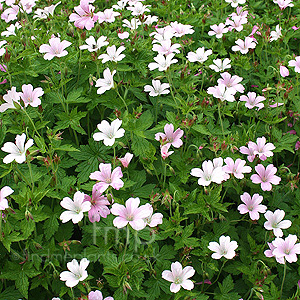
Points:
(237, 168)
(219, 65)
(231, 82)
(107, 82)
(10, 13)
(44, 13)
(126, 159)
(150, 20)
(31, 96)
(132, 24)
(157, 88)
(107, 178)
(284, 3)
(84, 18)
(262, 149)
(166, 47)
(92, 45)
(275, 223)
(98, 205)
(4, 192)
(113, 54)
(75, 209)
(269, 253)
(123, 35)
(108, 15)
(97, 295)
(252, 100)
(2, 50)
(284, 72)
(164, 151)
(181, 29)
(56, 48)
(218, 30)
(244, 46)
(179, 277)
(11, 97)
(235, 3)
(170, 137)
(120, 5)
(10, 30)
(153, 219)
(236, 23)
(199, 56)
(249, 151)
(293, 63)
(286, 248)
(162, 34)
(17, 150)
(222, 92)
(138, 9)
(130, 214)
(275, 35)
(252, 205)
(225, 248)
(266, 177)
(77, 272)
(162, 62)
(109, 132)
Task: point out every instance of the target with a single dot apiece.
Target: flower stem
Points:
(32, 123)
(31, 175)
(220, 117)
(22, 175)
(283, 279)
(122, 99)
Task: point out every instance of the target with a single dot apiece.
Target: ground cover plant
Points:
(149, 149)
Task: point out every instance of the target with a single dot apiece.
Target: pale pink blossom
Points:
(225, 248)
(56, 48)
(251, 100)
(10, 99)
(10, 30)
(2, 50)
(113, 54)
(74, 209)
(218, 30)
(46, 11)
(108, 15)
(276, 223)
(153, 219)
(31, 96)
(77, 272)
(284, 72)
(107, 82)
(97, 295)
(17, 150)
(157, 88)
(99, 205)
(123, 35)
(162, 34)
(284, 3)
(262, 149)
(222, 92)
(244, 46)
(249, 151)
(4, 192)
(120, 5)
(236, 22)
(162, 63)
(132, 24)
(220, 65)
(109, 132)
(150, 20)
(295, 63)
(179, 277)
(107, 178)
(181, 29)
(252, 205)
(265, 177)
(164, 151)
(231, 82)
(199, 56)
(170, 136)
(237, 168)
(92, 45)
(235, 3)
(10, 13)
(275, 35)
(126, 159)
(269, 253)
(166, 47)
(84, 17)
(138, 9)
(130, 214)
(287, 248)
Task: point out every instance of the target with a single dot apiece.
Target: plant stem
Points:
(220, 117)
(122, 99)
(20, 173)
(31, 176)
(31, 123)
(283, 279)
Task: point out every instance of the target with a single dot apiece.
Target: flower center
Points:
(129, 217)
(178, 280)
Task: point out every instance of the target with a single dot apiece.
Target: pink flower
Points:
(10, 13)
(113, 54)
(126, 159)
(56, 48)
(287, 249)
(262, 149)
(157, 88)
(266, 177)
(236, 168)
(153, 219)
(84, 15)
(284, 3)
(252, 206)
(284, 72)
(225, 248)
(162, 62)
(108, 15)
(275, 223)
(97, 295)
(179, 277)
(218, 30)
(199, 56)
(250, 151)
(98, 205)
(231, 82)
(4, 192)
(222, 92)
(2, 50)
(181, 29)
(244, 46)
(295, 63)
(31, 96)
(166, 47)
(10, 98)
(220, 65)
(253, 101)
(269, 253)
(170, 137)
(107, 178)
(130, 213)
(164, 151)
(123, 35)
(297, 145)
(236, 23)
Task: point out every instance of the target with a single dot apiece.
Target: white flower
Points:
(150, 20)
(235, 3)
(108, 15)
(108, 133)
(166, 47)
(75, 209)
(10, 30)
(200, 56)
(275, 223)
(157, 88)
(113, 54)
(181, 29)
(4, 192)
(222, 92)
(11, 97)
(44, 13)
(275, 35)
(105, 83)
(162, 62)
(244, 46)
(224, 248)
(153, 219)
(120, 5)
(2, 50)
(92, 45)
(138, 9)
(179, 277)
(77, 272)
(220, 66)
(133, 24)
(18, 150)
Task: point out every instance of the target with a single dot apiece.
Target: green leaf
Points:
(10, 294)
(22, 283)
(201, 129)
